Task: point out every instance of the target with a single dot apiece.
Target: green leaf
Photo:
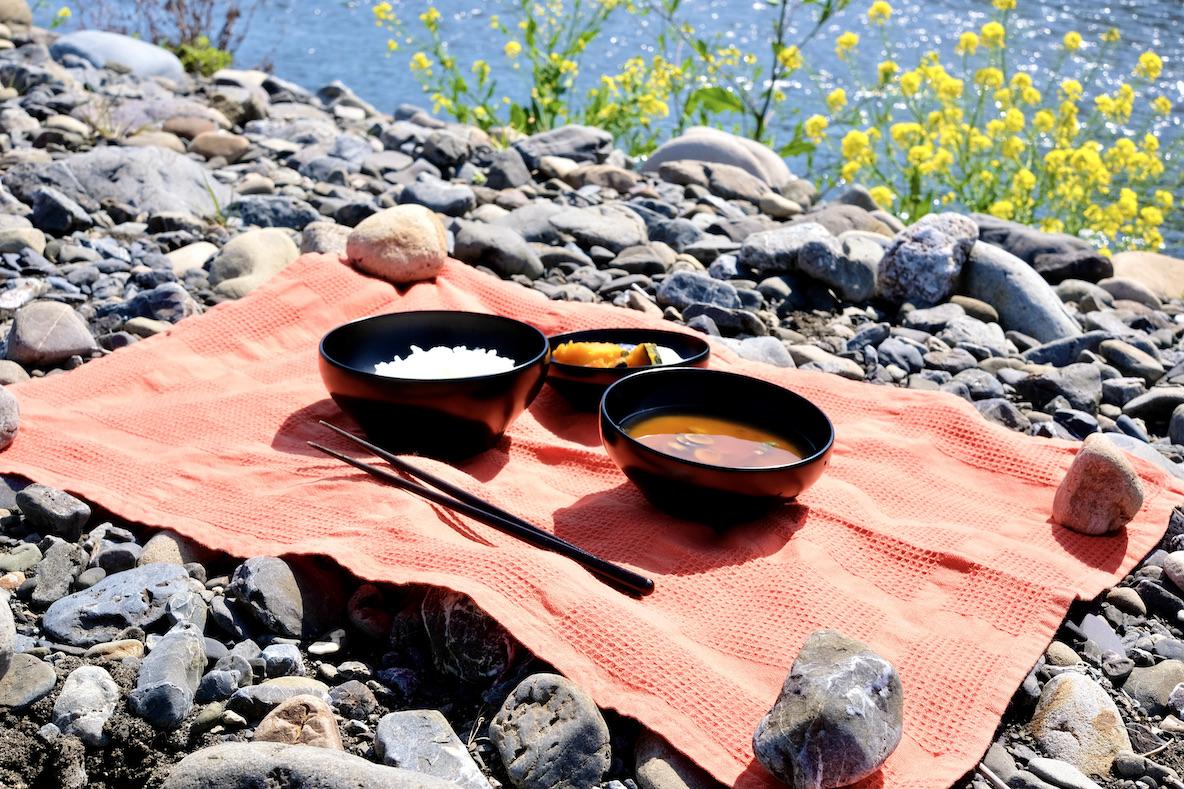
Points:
(716, 99)
(796, 148)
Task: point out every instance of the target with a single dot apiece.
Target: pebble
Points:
(301, 720)
(1077, 722)
(7, 632)
(423, 741)
(1101, 491)
(255, 701)
(168, 678)
(26, 680)
(87, 701)
(1152, 686)
(403, 244)
(838, 718)
(54, 511)
(550, 735)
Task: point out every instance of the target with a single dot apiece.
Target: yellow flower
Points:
(1111, 36)
(512, 49)
(836, 99)
(1164, 198)
(883, 196)
(392, 45)
(989, 77)
(495, 22)
(887, 70)
(1151, 215)
(1162, 105)
(1031, 96)
(1072, 89)
(907, 134)
(950, 89)
(383, 12)
(1024, 181)
(1150, 66)
(1004, 5)
(790, 58)
(1013, 147)
(850, 170)
(845, 43)
(967, 43)
(1052, 225)
(481, 69)
(879, 13)
(815, 127)
(993, 34)
(1014, 120)
(910, 83)
(855, 144)
(430, 18)
(63, 14)
(1072, 41)
(1004, 209)
(420, 62)
(1044, 121)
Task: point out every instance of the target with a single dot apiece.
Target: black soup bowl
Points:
(584, 386)
(701, 491)
(449, 418)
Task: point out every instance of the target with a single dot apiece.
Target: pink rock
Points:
(1101, 491)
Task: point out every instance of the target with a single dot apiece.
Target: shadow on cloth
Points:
(1102, 552)
(302, 426)
(571, 424)
(672, 546)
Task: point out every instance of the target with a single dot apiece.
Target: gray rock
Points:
(684, 288)
(133, 598)
(149, 179)
(1176, 425)
(10, 418)
(273, 211)
(578, 143)
(324, 237)
(438, 195)
(933, 319)
(51, 511)
(1059, 773)
(27, 680)
(466, 642)
(1130, 290)
(353, 700)
(1156, 406)
(20, 558)
(7, 633)
(1087, 265)
(838, 717)
(507, 170)
(289, 599)
(255, 701)
(47, 333)
(423, 741)
(1025, 302)
(1065, 351)
(87, 701)
(251, 764)
(610, 226)
(56, 214)
(55, 573)
(1077, 722)
(769, 350)
(968, 332)
(839, 219)
(101, 48)
(1131, 361)
(704, 144)
(1080, 384)
(282, 660)
(498, 248)
(168, 678)
(1140, 448)
(1025, 242)
(923, 265)
(1151, 686)
(551, 736)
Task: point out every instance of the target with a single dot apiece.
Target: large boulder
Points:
(1024, 301)
(150, 179)
(923, 265)
(15, 12)
(703, 144)
(1025, 242)
(100, 48)
(1162, 275)
(265, 763)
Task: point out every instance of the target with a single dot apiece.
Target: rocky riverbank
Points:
(134, 197)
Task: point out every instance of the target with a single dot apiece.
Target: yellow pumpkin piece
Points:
(589, 354)
(643, 355)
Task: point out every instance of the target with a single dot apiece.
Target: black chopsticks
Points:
(466, 503)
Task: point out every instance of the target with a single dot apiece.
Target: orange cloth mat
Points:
(929, 538)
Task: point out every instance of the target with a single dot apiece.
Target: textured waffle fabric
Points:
(929, 537)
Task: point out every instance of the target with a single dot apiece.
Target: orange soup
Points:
(711, 440)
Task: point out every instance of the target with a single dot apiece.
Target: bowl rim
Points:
(690, 360)
(650, 451)
(373, 376)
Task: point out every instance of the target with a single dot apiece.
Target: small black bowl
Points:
(584, 386)
(447, 418)
(700, 491)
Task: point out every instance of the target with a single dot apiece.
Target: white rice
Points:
(445, 362)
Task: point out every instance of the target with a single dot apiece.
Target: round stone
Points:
(403, 244)
(1101, 491)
